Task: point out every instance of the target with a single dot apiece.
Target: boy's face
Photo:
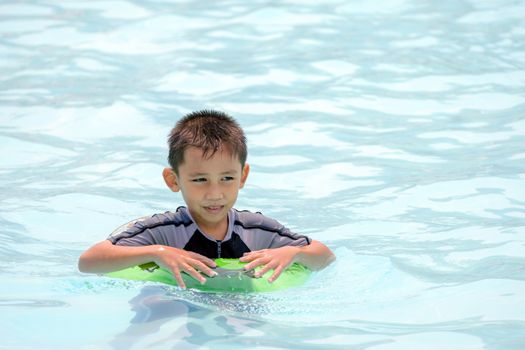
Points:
(209, 186)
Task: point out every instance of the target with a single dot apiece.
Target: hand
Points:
(277, 259)
(178, 260)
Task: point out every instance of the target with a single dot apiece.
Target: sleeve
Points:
(284, 237)
(136, 233)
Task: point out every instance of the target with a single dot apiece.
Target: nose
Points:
(214, 192)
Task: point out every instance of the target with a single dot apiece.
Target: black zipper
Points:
(219, 249)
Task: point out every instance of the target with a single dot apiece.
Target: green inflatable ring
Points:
(231, 277)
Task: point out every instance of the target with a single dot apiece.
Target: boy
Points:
(207, 158)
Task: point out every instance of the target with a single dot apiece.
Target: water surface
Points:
(392, 132)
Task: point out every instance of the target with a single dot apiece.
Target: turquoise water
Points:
(394, 132)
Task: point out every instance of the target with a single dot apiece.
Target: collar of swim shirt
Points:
(231, 221)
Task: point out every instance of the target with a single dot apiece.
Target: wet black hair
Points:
(208, 130)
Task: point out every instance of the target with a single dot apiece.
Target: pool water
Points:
(394, 132)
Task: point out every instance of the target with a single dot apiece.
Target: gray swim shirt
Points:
(247, 232)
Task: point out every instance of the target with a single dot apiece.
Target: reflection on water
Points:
(164, 319)
(193, 318)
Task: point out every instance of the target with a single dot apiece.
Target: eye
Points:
(199, 179)
(228, 178)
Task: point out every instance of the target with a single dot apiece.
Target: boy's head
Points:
(210, 131)
(208, 166)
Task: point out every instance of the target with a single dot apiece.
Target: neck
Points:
(217, 232)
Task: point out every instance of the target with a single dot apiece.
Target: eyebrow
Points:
(223, 173)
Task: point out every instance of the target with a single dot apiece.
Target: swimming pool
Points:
(392, 132)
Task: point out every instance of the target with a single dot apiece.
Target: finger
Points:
(247, 257)
(262, 271)
(194, 273)
(276, 274)
(202, 268)
(178, 278)
(203, 259)
(255, 263)
(255, 252)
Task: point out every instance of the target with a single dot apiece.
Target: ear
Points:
(171, 179)
(244, 175)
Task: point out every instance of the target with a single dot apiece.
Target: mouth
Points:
(213, 209)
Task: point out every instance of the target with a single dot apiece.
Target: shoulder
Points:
(261, 232)
(136, 226)
(177, 218)
(251, 220)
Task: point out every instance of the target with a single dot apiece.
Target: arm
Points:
(106, 257)
(315, 256)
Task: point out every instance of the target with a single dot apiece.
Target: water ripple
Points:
(31, 303)
(393, 132)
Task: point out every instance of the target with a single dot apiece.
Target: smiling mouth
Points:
(214, 208)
